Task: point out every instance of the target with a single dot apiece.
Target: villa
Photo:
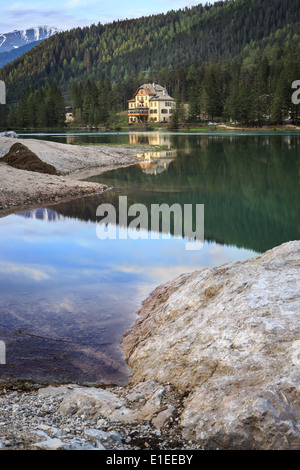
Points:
(151, 103)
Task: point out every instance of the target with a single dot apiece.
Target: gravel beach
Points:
(23, 190)
(35, 417)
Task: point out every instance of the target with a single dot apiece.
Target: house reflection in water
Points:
(155, 163)
(150, 139)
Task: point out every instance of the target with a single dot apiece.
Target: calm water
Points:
(67, 297)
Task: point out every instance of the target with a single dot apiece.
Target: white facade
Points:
(151, 103)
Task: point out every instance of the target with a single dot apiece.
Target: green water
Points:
(249, 185)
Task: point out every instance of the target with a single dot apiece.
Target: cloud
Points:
(69, 14)
(26, 271)
(25, 15)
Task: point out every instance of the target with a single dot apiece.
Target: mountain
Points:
(234, 59)
(222, 31)
(17, 43)
(7, 57)
(16, 39)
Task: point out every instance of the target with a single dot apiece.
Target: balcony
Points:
(138, 111)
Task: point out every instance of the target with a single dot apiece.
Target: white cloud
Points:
(27, 271)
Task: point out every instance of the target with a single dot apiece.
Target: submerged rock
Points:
(228, 339)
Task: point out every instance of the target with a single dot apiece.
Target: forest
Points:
(233, 60)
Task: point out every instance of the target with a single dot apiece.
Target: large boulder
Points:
(228, 339)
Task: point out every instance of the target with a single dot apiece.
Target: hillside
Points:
(145, 46)
(9, 56)
(233, 60)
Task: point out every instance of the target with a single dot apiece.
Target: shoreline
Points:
(191, 388)
(192, 385)
(24, 190)
(164, 127)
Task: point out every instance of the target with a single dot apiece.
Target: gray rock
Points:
(49, 444)
(11, 134)
(109, 438)
(215, 359)
(228, 338)
(80, 444)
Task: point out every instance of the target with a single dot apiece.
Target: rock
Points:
(102, 423)
(228, 339)
(100, 402)
(11, 134)
(22, 158)
(49, 444)
(110, 438)
(141, 403)
(163, 417)
(215, 358)
(80, 444)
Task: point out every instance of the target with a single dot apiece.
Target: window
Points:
(164, 111)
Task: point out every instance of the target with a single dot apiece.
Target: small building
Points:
(151, 103)
(69, 114)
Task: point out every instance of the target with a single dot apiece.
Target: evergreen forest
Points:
(234, 60)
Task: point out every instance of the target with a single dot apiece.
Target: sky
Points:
(68, 14)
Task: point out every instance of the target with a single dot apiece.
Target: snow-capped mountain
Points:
(19, 38)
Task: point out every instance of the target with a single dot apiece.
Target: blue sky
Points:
(66, 14)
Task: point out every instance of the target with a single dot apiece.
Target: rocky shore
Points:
(70, 417)
(215, 359)
(23, 190)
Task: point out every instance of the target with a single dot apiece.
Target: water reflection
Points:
(43, 213)
(157, 139)
(249, 186)
(155, 163)
(67, 297)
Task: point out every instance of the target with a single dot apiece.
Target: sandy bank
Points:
(20, 190)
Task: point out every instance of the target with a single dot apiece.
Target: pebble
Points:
(32, 422)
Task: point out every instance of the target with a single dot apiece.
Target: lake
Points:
(67, 297)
